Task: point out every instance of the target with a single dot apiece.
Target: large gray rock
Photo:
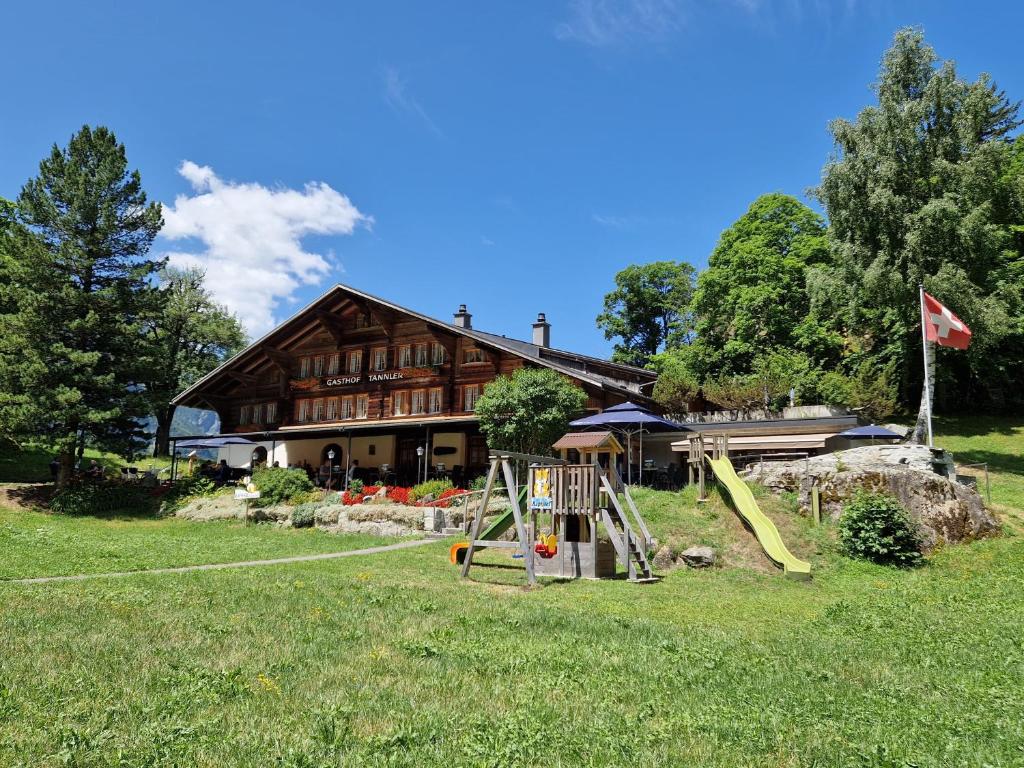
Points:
(698, 557)
(920, 478)
(663, 559)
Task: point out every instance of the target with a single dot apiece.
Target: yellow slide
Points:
(764, 528)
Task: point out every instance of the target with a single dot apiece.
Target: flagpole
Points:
(927, 377)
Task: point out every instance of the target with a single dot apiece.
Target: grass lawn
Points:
(32, 465)
(392, 660)
(38, 544)
(998, 442)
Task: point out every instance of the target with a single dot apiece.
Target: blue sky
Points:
(510, 156)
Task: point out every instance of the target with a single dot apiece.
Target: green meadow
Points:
(392, 660)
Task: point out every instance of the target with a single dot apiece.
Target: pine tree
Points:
(78, 283)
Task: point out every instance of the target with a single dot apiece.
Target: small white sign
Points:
(243, 494)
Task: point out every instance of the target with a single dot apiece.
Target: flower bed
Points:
(398, 495)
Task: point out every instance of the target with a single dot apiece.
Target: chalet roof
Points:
(591, 441)
(613, 377)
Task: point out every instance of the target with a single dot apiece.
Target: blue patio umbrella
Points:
(629, 418)
(871, 431)
(213, 442)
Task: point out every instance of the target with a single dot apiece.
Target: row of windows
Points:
(409, 356)
(258, 413)
(404, 402)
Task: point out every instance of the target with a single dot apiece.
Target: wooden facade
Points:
(353, 363)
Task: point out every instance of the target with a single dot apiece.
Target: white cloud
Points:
(486, 241)
(602, 23)
(396, 94)
(616, 222)
(251, 239)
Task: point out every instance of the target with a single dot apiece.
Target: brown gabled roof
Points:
(582, 368)
(589, 441)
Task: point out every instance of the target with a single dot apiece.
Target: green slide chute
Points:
(764, 529)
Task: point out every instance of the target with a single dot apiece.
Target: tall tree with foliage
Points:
(529, 410)
(917, 191)
(647, 310)
(77, 289)
(187, 338)
(752, 299)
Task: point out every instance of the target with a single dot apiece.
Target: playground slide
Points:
(765, 530)
(502, 523)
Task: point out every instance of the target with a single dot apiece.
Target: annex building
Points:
(368, 380)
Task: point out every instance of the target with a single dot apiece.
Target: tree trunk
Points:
(920, 434)
(162, 441)
(67, 468)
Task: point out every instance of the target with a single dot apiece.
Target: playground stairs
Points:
(631, 549)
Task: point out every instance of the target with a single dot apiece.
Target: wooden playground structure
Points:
(696, 461)
(578, 500)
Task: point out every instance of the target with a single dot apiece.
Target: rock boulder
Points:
(920, 478)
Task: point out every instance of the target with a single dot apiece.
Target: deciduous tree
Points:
(187, 338)
(529, 410)
(647, 310)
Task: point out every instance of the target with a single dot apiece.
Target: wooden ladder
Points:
(631, 548)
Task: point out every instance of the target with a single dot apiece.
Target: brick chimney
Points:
(462, 318)
(542, 331)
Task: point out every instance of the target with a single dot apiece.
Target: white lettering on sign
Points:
(389, 376)
(342, 380)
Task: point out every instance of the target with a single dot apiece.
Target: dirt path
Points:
(219, 566)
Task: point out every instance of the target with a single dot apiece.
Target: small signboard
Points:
(540, 492)
(242, 494)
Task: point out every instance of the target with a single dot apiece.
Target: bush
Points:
(306, 497)
(877, 528)
(431, 487)
(355, 487)
(278, 484)
(100, 499)
(304, 515)
(186, 488)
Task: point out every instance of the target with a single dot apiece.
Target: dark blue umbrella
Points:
(629, 419)
(213, 442)
(871, 431)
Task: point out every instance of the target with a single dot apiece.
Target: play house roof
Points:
(589, 441)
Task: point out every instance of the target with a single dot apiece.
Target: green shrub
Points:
(304, 515)
(306, 497)
(877, 528)
(100, 499)
(184, 489)
(278, 484)
(355, 487)
(431, 487)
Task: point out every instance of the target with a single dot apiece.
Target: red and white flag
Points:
(942, 326)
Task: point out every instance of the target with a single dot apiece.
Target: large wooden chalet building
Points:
(371, 381)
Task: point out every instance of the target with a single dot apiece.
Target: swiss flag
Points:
(942, 326)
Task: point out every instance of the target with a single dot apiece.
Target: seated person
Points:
(223, 473)
(353, 470)
(324, 475)
(95, 471)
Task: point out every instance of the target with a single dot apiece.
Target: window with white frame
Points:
(243, 415)
(303, 367)
(472, 355)
(405, 356)
(436, 396)
(355, 361)
(271, 416)
(318, 365)
(362, 406)
(422, 350)
(380, 358)
(470, 394)
(303, 410)
(438, 354)
(346, 408)
(400, 403)
(332, 409)
(318, 410)
(419, 401)
(332, 364)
